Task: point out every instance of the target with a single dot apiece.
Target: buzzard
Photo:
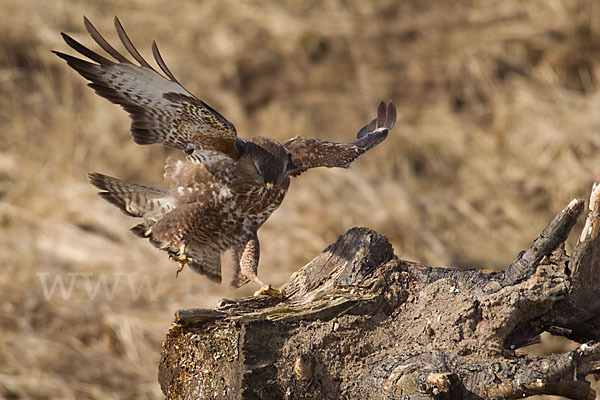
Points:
(226, 187)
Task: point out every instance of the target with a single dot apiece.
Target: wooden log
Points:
(357, 322)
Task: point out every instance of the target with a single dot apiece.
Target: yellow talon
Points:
(267, 290)
(179, 268)
(182, 259)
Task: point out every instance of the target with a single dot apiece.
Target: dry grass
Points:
(498, 130)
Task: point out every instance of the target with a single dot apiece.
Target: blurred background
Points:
(497, 131)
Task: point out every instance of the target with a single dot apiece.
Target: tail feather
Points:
(210, 266)
(206, 262)
(133, 199)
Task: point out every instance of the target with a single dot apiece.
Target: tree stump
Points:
(359, 323)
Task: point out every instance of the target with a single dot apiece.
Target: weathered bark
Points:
(359, 323)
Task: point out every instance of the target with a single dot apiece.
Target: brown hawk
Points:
(227, 187)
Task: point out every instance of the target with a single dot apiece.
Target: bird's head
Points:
(265, 161)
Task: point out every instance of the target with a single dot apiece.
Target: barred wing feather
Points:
(161, 110)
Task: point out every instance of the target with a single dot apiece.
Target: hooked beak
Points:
(269, 186)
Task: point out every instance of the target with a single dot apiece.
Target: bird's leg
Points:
(239, 279)
(180, 268)
(248, 258)
(182, 258)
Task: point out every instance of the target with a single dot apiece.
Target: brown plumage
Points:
(227, 187)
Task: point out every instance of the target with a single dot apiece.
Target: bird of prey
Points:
(226, 187)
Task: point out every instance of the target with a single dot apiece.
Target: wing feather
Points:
(129, 46)
(161, 110)
(177, 227)
(161, 63)
(98, 38)
(376, 131)
(311, 153)
(84, 50)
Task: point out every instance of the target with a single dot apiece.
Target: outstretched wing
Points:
(161, 110)
(310, 153)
